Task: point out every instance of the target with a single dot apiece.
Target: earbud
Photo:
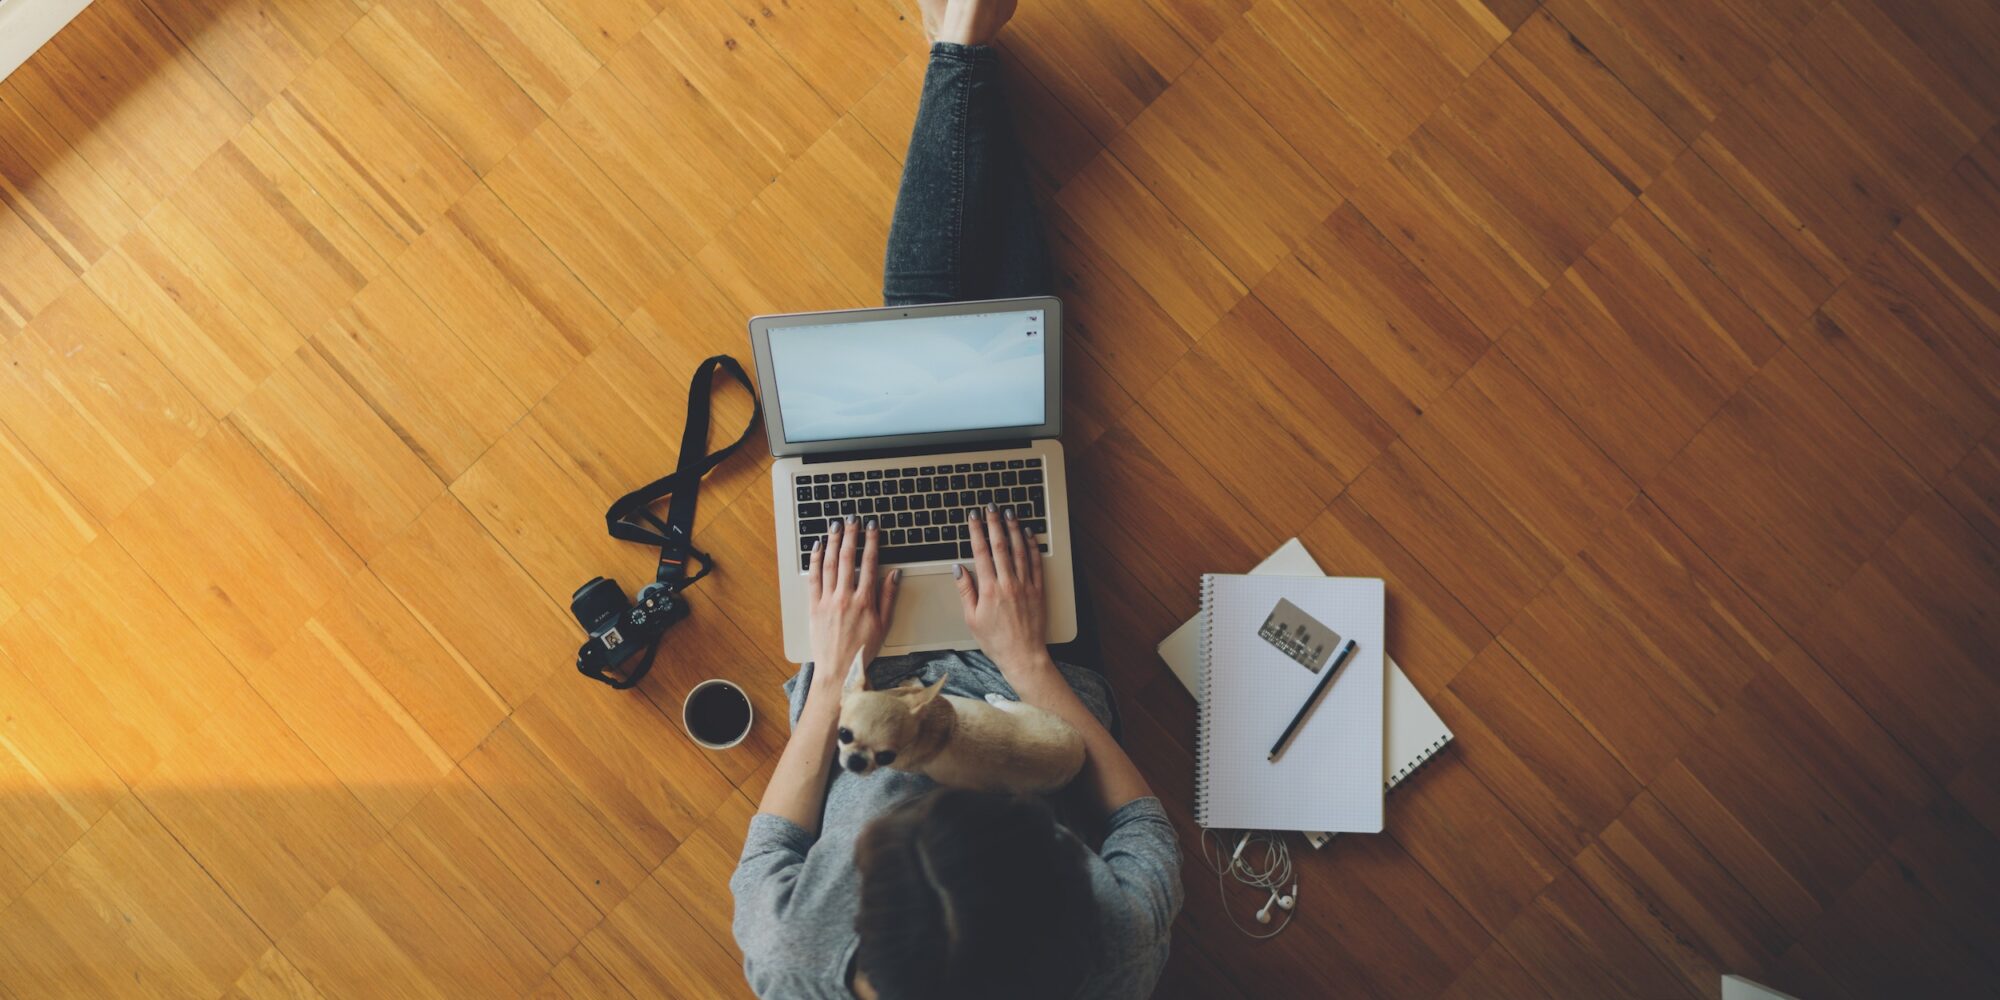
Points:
(1284, 902)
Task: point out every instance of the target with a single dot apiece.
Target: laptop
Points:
(914, 415)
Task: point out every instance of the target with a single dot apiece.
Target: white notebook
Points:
(1329, 775)
(1411, 730)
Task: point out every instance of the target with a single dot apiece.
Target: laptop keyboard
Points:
(920, 509)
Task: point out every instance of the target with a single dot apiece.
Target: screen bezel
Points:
(774, 418)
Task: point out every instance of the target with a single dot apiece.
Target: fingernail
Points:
(853, 518)
(895, 574)
(972, 515)
(989, 508)
(819, 546)
(833, 528)
(957, 571)
(871, 524)
(1008, 513)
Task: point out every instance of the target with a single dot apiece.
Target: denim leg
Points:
(966, 225)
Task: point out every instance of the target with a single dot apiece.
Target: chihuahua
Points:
(994, 745)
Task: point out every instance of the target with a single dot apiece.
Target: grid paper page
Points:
(1330, 777)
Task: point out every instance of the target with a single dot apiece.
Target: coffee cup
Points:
(717, 714)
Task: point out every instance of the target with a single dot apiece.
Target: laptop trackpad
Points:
(927, 611)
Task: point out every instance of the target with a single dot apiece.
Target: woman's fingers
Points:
(982, 552)
(864, 583)
(968, 592)
(828, 556)
(1015, 547)
(843, 562)
(815, 563)
(1003, 550)
(888, 598)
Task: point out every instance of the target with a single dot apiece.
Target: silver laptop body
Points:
(913, 415)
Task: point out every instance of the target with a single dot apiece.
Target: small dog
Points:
(994, 745)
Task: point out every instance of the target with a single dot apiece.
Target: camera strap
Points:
(631, 517)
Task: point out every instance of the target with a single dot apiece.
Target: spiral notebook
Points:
(1253, 683)
(1411, 731)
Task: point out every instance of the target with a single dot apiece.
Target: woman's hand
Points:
(1003, 593)
(850, 610)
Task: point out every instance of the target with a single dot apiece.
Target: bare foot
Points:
(967, 22)
(933, 12)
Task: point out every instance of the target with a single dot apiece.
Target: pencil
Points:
(1311, 700)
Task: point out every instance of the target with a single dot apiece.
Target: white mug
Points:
(750, 718)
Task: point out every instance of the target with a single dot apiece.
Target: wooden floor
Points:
(1649, 348)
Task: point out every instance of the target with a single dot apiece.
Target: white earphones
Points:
(1284, 902)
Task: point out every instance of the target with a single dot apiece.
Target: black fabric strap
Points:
(631, 518)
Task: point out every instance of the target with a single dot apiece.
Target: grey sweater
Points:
(797, 895)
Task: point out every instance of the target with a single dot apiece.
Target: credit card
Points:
(1299, 636)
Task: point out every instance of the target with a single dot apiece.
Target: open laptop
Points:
(914, 415)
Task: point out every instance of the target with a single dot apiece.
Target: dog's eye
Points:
(846, 735)
(884, 758)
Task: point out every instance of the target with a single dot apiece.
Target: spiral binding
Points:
(1422, 759)
(1201, 717)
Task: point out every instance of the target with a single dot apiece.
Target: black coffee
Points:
(718, 713)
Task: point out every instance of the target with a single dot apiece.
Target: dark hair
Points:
(972, 894)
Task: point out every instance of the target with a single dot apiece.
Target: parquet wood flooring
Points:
(1649, 350)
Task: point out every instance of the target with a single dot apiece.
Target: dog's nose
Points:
(857, 763)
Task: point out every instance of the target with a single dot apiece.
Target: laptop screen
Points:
(920, 375)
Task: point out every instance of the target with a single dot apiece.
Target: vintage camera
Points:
(623, 635)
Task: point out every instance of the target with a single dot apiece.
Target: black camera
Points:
(621, 630)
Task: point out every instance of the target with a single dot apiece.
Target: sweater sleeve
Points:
(768, 870)
(1140, 849)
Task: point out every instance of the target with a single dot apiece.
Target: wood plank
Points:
(494, 873)
(1644, 638)
(1751, 255)
(245, 770)
(52, 191)
(491, 282)
(257, 49)
(1248, 209)
(1684, 60)
(273, 977)
(365, 150)
(35, 277)
(1430, 633)
(695, 874)
(733, 64)
(343, 459)
(433, 388)
(133, 677)
(528, 40)
(1908, 635)
(1922, 373)
(125, 904)
(442, 71)
(102, 415)
(1492, 199)
(57, 786)
(1388, 334)
(1654, 874)
(529, 788)
(1973, 489)
(250, 587)
(1450, 808)
(194, 311)
(653, 947)
(1545, 500)
(1950, 233)
(268, 221)
(1105, 62)
(1550, 770)
(130, 99)
(838, 196)
(707, 645)
(840, 49)
(1251, 388)
(1133, 338)
(1574, 946)
(1640, 344)
(1809, 490)
(514, 636)
(1127, 222)
(1590, 102)
(388, 929)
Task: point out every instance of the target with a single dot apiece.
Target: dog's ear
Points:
(857, 674)
(924, 697)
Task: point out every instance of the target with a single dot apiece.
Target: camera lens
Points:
(596, 603)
